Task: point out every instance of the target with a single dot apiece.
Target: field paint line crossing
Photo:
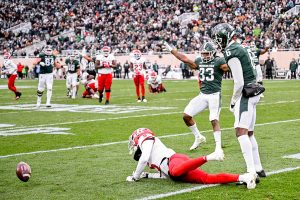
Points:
(126, 141)
(159, 196)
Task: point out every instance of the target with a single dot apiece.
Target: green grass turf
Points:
(100, 172)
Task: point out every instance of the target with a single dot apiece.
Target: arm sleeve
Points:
(146, 152)
(237, 73)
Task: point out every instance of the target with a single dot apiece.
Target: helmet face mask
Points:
(135, 136)
(208, 52)
(105, 51)
(222, 34)
(137, 54)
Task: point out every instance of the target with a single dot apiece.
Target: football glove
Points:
(131, 179)
(42, 64)
(231, 108)
(168, 47)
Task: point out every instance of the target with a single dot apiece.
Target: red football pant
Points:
(139, 81)
(186, 169)
(104, 81)
(160, 88)
(11, 82)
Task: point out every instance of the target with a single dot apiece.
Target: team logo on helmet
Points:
(222, 34)
(208, 52)
(135, 136)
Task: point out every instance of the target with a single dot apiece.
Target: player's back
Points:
(235, 50)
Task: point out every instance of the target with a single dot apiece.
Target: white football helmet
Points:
(135, 136)
(153, 75)
(137, 54)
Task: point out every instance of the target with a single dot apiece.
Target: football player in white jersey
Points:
(11, 73)
(155, 83)
(149, 150)
(137, 65)
(104, 64)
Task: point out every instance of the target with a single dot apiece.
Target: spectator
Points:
(293, 68)
(269, 68)
(19, 70)
(184, 70)
(126, 67)
(155, 67)
(26, 71)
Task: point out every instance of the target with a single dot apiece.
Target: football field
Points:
(78, 148)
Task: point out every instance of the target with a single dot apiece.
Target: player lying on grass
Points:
(155, 83)
(149, 150)
(90, 88)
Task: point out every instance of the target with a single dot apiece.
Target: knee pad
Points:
(40, 93)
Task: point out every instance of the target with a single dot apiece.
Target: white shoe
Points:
(38, 106)
(197, 142)
(139, 101)
(217, 155)
(145, 100)
(249, 179)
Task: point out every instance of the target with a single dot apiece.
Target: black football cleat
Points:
(261, 173)
(18, 95)
(106, 102)
(100, 98)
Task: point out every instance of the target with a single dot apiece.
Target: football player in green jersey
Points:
(47, 61)
(73, 75)
(211, 69)
(243, 106)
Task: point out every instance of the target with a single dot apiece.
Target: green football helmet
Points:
(208, 52)
(222, 34)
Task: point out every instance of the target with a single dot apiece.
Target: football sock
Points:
(49, 95)
(143, 90)
(107, 95)
(74, 92)
(39, 100)
(220, 178)
(246, 148)
(217, 136)
(195, 131)
(255, 152)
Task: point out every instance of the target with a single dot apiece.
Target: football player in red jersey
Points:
(149, 150)
(91, 87)
(11, 73)
(104, 64)
(155, 83)
(137, 65)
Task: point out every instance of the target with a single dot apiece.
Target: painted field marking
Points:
(6, 125)
(29, 131)
(158, 196)
(126, 141)
(294, 156)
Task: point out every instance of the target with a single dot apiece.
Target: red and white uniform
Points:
(138, 66)
(11, 68)
(106, 62)
(178, 167)
(90, 85)
(154, 82)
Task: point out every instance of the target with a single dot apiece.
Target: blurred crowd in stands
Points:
(125, 25)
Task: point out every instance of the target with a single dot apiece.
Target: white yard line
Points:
(122, 142)
(158, 196)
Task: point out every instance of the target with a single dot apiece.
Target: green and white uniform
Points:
(210, 76)
(243, 72)
(46, 77)
(73, 66)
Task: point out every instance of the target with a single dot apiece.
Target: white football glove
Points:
(231, 108)
(131, 179)
(168, 47)
(42, 64)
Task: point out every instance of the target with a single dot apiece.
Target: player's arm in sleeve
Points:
(98, 63)
(146, 152)
(237, 73)
(223, 65)
(180, 56)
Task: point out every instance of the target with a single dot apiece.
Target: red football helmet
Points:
(136, 135)
(137, 54)
(153, 75)
(106, 50)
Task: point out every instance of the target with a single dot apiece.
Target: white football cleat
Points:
(249, 179)
(197, 142)
(217, 155)
(145, 100)
(139, 101)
